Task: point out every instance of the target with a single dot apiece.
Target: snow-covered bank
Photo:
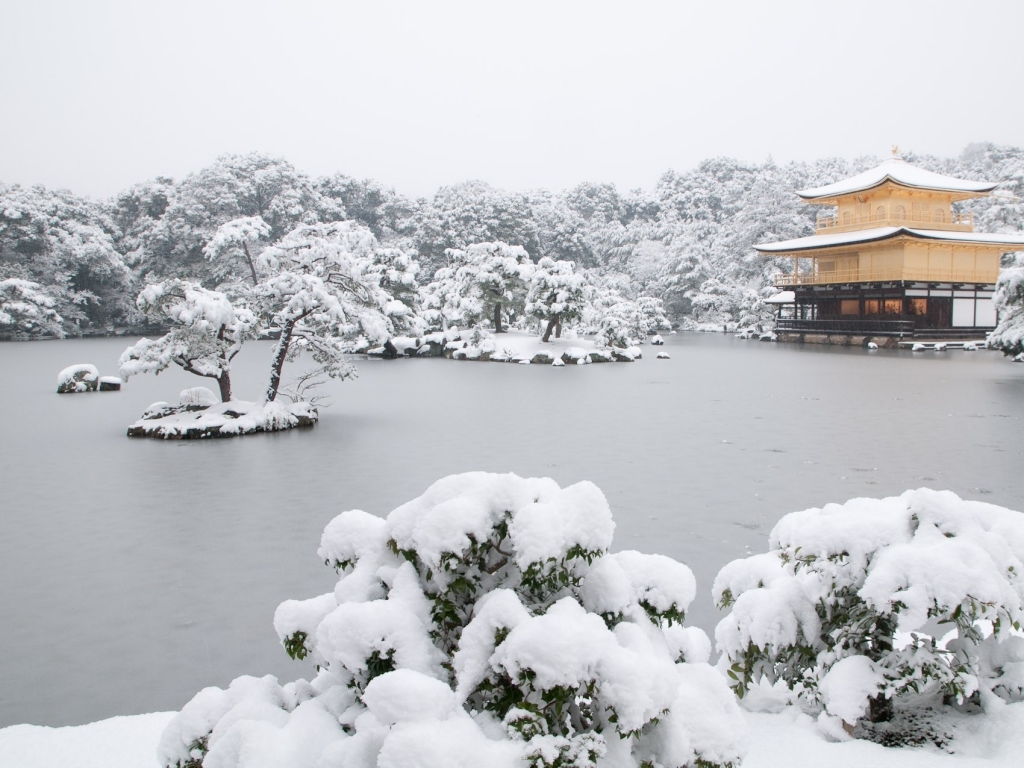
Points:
(120, 742)
(788, 739)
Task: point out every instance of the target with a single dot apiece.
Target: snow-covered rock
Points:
(919, 347)
(110, 384)
(82, 377)
(663, 356)
(656, 340)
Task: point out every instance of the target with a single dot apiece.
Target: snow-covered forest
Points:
(71, 266)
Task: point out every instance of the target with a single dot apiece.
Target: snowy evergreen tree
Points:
(65, 245)
(557, 295)
(207, 332)
(26, 311)
(1008, 336)
(234, 237)
(321, 298)
(483, 623)
(486, 281)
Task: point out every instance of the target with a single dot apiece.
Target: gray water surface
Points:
(135, 572)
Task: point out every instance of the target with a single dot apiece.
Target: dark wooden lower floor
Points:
(891, 309)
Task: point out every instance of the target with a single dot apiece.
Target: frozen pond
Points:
(136, 572)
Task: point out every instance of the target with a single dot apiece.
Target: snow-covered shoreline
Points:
(784, 739)
(509, 347)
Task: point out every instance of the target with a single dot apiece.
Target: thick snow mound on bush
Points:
(920, 594)
(483, 623)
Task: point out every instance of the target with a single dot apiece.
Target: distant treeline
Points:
(687, 242)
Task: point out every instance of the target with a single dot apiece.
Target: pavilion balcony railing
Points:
(831, 277)
(957, 222)
(846, 325)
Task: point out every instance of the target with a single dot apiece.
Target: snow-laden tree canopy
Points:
(233, 238)
(27, 311)
(484, 282)
(485, 623)
(323, 296)
(207, 332)
(858, 604)
(558, 293)
(615, 318)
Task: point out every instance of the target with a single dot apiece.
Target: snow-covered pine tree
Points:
(488, 281)
(484, 623)
(208, 330)
(320, 296)
(557, 295)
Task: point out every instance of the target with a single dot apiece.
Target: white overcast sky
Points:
(96, 95)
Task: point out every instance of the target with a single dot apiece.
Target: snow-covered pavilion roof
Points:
(899, 172)
(782, 297)
(857, 237)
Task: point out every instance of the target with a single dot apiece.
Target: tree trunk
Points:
(558, 327)
(497, 318)
(551, 326)
(879, 709)
(252, 267)
(224, 382)
(278, 362)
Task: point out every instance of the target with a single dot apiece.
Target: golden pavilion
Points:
(892, 258)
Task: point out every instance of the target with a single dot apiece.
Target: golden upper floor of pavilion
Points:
(894, 222)
(896, 194)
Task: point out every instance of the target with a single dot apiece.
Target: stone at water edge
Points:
(542, 358)
(81, 377)
(110, 383)
(657, 340)
(622, 355)
(663, 356)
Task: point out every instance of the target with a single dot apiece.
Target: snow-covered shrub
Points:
(857, 604)
(482, 624)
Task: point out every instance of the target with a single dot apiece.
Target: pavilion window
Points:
(893, 306)
(880, 213)
(900, 213)
(917, 306)
(872, 306)
(846, 218)
(849, 307)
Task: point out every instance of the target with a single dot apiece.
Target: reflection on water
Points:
(136, 572)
